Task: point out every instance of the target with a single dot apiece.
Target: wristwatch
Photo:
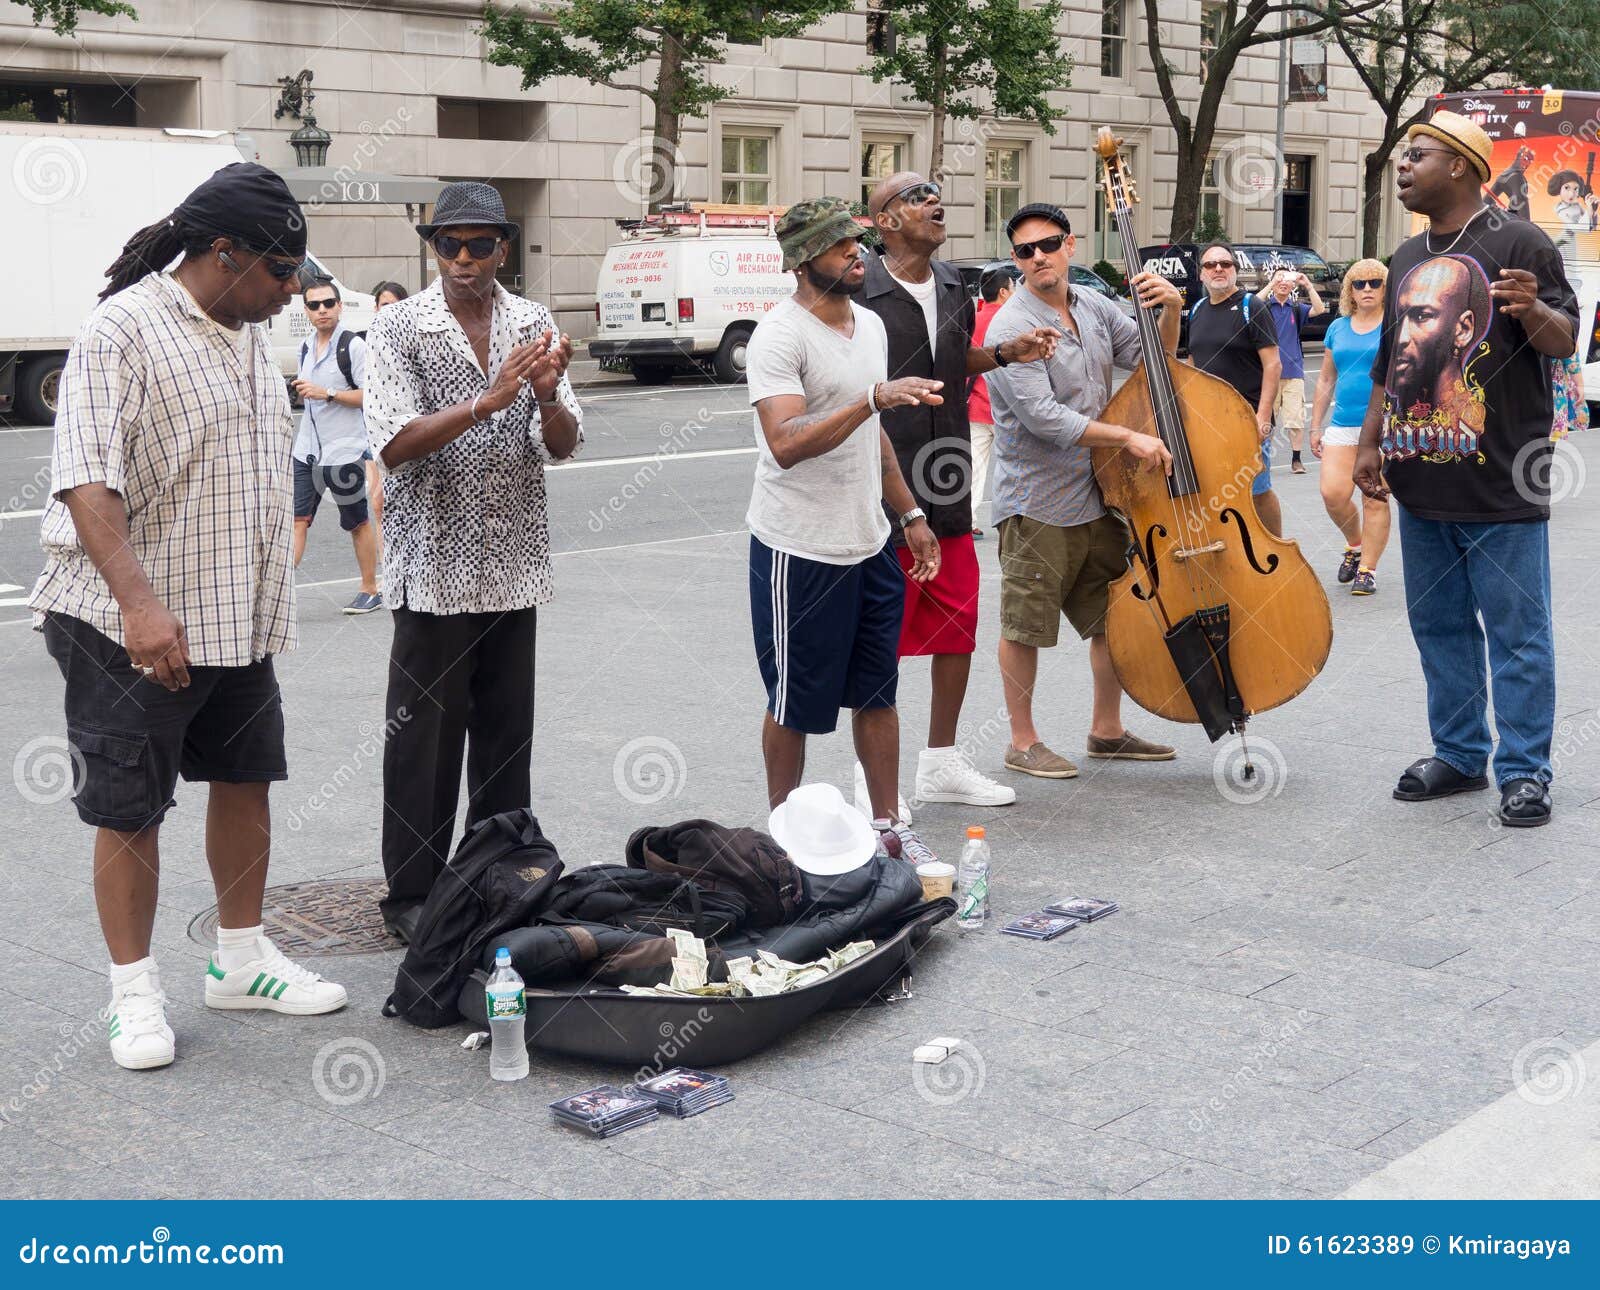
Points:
(912, 516)
(1000, 360)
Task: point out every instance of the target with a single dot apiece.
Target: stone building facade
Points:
(404, 90)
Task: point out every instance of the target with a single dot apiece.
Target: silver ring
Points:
(148, 671)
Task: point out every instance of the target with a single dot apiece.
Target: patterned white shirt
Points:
(190, 423)
(465, 528)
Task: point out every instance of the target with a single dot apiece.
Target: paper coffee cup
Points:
(938, 879)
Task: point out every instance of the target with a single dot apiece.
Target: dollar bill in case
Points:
(1040, 926)
(683, 1092)
(605, 1110)
(1086, 908)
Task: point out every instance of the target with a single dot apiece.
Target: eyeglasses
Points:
(1364, 284)
(1045, 245)
(1216, 264)
(916, 194)
(282, 270)
(321, 304)
(479, 248)
(1414, 155)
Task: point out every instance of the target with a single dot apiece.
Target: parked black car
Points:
(1081, 278)
(1179, 263)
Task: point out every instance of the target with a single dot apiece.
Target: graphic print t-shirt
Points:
(1467, 399)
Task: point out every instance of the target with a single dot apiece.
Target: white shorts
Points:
(1341, 436)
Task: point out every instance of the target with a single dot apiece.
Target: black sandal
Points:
(1429, 777)
(1524, 804)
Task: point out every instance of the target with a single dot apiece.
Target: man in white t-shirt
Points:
(826, 589)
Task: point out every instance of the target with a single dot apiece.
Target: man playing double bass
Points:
(1060, 549)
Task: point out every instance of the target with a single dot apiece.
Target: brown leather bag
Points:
(739, 862)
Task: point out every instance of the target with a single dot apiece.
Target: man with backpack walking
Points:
(330, 452)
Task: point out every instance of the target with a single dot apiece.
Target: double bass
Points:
(1216, 619)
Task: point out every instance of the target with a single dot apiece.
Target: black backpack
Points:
(500, 876)
(341, 355)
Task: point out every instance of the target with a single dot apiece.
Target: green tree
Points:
(1409, 48)
(1237, 26)
(599, 40)
(966, 57)
(63, 14)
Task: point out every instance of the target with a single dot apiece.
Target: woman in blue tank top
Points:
(1344, 386)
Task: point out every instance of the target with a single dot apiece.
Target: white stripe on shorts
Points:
(780, 633)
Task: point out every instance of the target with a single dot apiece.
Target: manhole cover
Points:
(334, 916)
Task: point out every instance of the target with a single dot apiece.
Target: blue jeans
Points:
(1455, 575)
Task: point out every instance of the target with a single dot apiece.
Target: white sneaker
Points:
(945, 775)
(272, 982)
(140, 1037)
(864, 798)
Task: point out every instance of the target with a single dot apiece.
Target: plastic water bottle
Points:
(507, 1007)
(972, 880)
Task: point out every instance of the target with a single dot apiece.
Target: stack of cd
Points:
(683, 1092)
(1086, 908)
(1041, 926)
(605, 1110)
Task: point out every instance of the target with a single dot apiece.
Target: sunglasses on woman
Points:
(1365, 284)
(479, 248)
(1046, 245)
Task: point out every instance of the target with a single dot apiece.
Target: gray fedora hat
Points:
(469, 202)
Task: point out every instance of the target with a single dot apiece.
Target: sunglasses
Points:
(1414, 155)
(916, 194)
(479, 248)
(282, 270)
(321, 304)
(1216, 264)
(1363, 284)
(1046, 245)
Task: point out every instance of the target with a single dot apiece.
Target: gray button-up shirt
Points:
(1041, 469)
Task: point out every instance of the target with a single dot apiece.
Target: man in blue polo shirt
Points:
(330, 452)
(1289, 317)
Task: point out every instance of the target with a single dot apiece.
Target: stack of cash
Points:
(747, 978)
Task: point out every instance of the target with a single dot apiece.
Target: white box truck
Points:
(684, 289)
(70, 197)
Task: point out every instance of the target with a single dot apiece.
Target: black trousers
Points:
(457, 682)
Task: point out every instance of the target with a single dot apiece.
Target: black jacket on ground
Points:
(744, 863)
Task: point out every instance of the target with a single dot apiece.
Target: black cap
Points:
(1039, 210)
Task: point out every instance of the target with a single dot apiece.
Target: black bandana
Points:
(250, 204)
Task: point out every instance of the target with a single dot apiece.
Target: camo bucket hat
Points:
(809, 228)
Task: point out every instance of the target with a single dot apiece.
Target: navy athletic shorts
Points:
(827, 635)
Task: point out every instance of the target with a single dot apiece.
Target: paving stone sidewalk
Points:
(1301, 988)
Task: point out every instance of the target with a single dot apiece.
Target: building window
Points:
(880, 158)
(55, 103)
(1002, 195)
(747, 168)
(1107, 238)
(509, 120)
(1113, 38)
(1209, 226)
(1213, 31)
(880, 28)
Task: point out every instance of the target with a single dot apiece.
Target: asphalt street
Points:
(1311, 989)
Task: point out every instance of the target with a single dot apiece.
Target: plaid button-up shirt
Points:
(190, 423)
(465, 528)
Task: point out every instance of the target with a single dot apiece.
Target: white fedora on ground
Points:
(822, 834)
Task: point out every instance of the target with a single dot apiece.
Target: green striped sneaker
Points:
(136, 1024)
(270, 981)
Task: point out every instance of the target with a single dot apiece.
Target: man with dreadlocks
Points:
(167, 585)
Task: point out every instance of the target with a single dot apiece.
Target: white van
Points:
(685, 289)
(75, 195)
